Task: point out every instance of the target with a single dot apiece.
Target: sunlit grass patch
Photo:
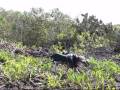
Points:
(106, 66)
(53, 81)
(103, 72)
(81, 79)
(45, 64)
(20, 69)
(5, 56)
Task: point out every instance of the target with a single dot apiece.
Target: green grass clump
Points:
(20, 69)
(5, 56)
(103, 71)
(81, 79)
(53, 81)
(45, 64)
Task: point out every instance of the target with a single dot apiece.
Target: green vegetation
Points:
(45, 29)
(5, 56)
(99, 73)
(57, 31)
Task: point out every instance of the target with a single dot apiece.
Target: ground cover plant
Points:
(33, 72)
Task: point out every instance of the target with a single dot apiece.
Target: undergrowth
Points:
(99, 74)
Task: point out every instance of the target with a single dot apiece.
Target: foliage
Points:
(103, 71)
(24, 68)
(5, 56)
(39, 28)
(58, 31)
(21, 68)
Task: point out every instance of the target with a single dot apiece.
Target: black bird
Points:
(71, 60)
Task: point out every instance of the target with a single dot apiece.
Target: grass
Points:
(99, 73)
(5, 56)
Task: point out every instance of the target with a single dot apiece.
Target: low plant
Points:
(15, 70)
(103, 72)
(53, 81)
(100, 73)
(5, 56)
